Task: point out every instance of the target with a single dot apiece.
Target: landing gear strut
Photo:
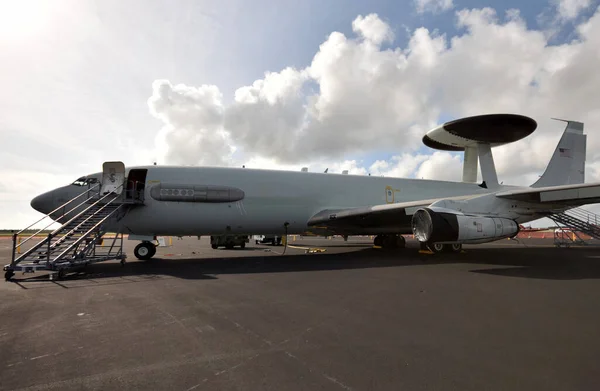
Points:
(390, 241)
(144, 250)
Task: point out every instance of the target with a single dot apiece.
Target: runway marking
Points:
(35, 358)
(309, 250)
(336, 381)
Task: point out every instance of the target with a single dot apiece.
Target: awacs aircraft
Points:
(443, 215)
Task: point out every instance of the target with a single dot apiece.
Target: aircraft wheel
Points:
(144, 251)
(378, 241)
(8, 275)
(400, 241)
(390, 241)
(435, 247)
(453, 248)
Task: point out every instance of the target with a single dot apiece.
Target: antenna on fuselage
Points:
(476, 136)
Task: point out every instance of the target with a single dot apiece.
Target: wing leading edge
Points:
(384, 217)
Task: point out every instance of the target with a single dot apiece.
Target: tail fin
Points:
(567, 166)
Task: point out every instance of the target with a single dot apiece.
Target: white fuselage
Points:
(271, 199)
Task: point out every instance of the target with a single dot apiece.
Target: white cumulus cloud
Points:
(433, 6)
(570, 9)
(372, 28)
(358, 97)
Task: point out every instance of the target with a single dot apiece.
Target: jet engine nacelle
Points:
(438, 225)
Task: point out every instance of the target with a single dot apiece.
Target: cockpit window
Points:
(83, 181)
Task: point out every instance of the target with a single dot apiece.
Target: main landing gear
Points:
(441, 248)
(144, 250)
(390, 241)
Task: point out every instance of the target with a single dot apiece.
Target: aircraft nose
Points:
(43, 203)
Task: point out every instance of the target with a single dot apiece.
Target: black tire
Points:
(9, 275)
(453, 248)
(243, 245)
(436, 247)
(279, 241)
(378, 241)
(214, 246)
(144, 251)
(389, 241)
(400, 242)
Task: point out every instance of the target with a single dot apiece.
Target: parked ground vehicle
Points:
(273, 239)
(229, 241)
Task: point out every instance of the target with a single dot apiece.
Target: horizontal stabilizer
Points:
(578, 194)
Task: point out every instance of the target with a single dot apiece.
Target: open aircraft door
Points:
(113, 177)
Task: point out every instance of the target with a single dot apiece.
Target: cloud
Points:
(357, 97)
(570, 9)
(373, 29)
(433, 6)
(193, 124)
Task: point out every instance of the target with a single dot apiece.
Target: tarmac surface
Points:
(500, 316)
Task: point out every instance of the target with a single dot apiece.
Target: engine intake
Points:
(447, 226)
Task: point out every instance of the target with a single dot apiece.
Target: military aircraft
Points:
(443, 215)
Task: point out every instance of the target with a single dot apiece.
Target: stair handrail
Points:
(41, 229)
(53, 233)
(84, 221)
(576, 223)
(583, 213)
(16, 235)
(63, 205)
(85, 235)
(583, 216)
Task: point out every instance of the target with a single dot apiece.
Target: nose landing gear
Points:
(144, 250)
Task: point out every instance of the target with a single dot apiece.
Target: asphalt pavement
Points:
(501, 316)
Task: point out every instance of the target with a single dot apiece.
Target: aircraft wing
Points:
(578, 194)
(386, 215)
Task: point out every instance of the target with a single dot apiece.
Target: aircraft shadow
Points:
(536, 263)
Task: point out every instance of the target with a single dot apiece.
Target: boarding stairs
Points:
(78, 242)
(572, 224)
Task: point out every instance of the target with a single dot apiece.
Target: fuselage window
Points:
(83, 181)
(79, 182)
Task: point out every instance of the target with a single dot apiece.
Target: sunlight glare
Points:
(21, 19)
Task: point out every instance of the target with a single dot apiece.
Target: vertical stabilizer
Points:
(567, 165)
